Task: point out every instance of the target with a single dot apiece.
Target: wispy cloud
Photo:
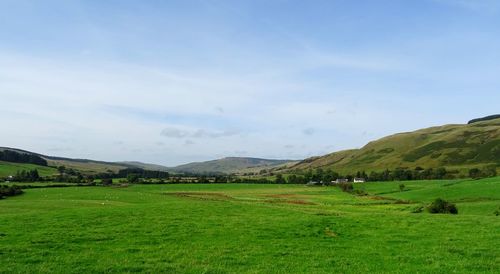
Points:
(197, 133)
(177, 82)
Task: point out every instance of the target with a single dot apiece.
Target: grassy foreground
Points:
(251, 229)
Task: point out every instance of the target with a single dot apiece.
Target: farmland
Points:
(228, 228)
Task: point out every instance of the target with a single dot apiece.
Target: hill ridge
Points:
(457, 146)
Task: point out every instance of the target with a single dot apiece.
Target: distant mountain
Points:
(460, 147)
(229, 165)
(146, 166)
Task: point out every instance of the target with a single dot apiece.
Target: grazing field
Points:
(8, 168)
(252, 229)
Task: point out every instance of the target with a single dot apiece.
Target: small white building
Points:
(341, 181)
(359, 180)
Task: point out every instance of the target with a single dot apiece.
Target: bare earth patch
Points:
(281, 195)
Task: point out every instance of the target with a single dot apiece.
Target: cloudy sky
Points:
(170, 82)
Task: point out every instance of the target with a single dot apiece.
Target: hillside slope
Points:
(10, 169)
(87, 166)
(229, 165)
(452, 146)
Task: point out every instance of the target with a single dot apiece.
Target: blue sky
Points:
(171, 82)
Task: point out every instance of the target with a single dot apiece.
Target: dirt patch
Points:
(281, 195)
(213, 196)
(330, 233)
(380, 198)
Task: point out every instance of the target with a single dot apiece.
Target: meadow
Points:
(236, 228)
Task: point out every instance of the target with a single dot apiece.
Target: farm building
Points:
(359, 180)
(341, 181)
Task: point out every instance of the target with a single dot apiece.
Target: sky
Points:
(171, 82)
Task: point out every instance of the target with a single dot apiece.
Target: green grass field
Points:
(251, 229)
(8, 168)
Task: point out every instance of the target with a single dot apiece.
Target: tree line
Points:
(16, 157)
(141, 176)
(26, 176)
(398, 174)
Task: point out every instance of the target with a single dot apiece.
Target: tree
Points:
(346, 187)
(475, 173)
(132, 178)
(441, 206)
(280, 179)
(401, 187)
(374, 176)
(33, 175)
(490, 171)
(107, 182)
(309, 175)
(440, 173)
(61, 169)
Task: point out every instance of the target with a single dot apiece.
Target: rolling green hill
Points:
(452, 146)
(229, 165)
(225, 165)
(8, 169)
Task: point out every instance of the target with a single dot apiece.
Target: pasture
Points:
(232, 228)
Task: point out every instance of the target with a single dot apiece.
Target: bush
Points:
(107, 182)
(132, 178)
(441, 206)
(6, 191)
(401, 187)
(346, 187)
(475, 173)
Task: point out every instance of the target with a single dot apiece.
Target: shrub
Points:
(401, 187)
(475, 173)
(6, 191)
(107, 182)
(441, 206)
(346, 187)
(132, 178)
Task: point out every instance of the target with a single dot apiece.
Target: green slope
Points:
(8, 168)
(453, 146)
